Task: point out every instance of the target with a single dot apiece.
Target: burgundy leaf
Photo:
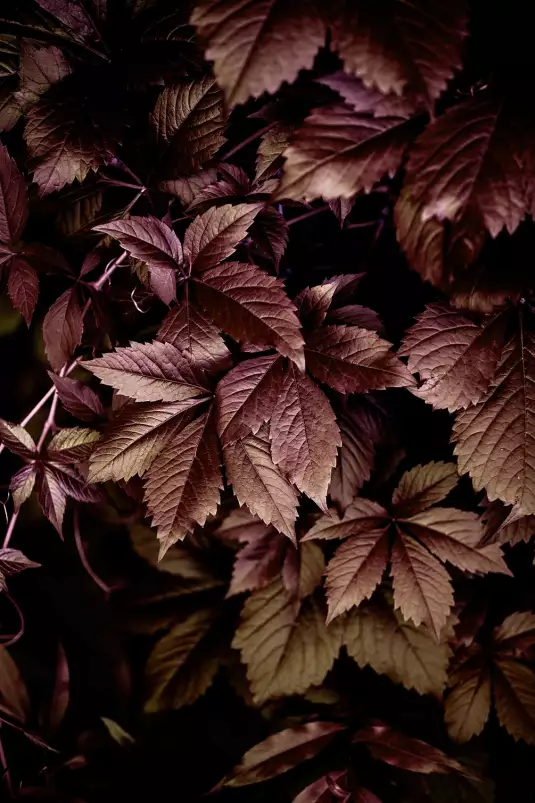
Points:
(147, 238)
(13, 200)
(188, 188)
(356, 315)
(62, 329)
(320, 791)
(40, 67)
(215, 235)
(251, 305)
(78, 399)
(365, 99)
(23, 287)
(392, 747)
(52, 496)
(71, 14)
(259, 562)
(198, 339)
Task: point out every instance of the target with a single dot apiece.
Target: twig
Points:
(83, 557)
(245, 142)
(13, 639)
(312, 212)
(10, 528)
(112, 266)
(6, 777)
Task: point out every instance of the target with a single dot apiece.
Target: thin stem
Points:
(6, 777)
(20, 633)
(308, 214)
(108, 272)
(116, 183)
(245, 142)
(49, 423)
(11, 528)
(83, 557)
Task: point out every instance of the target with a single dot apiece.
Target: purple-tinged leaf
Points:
(78, 399)
(23, 287)
(199, 340)
(52, 496)
(17, 440)
(13, 200)
(148, 239)
(215, 235)
(22, 484)
(12, 561)
(63, 327)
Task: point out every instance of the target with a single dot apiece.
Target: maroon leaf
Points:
(23, 287)
(188, 188)
(52, 496)
(255, 48)
(62, 329)
(246, 397)
(150, 372)
(78, 399)
(404, 752)
(12, 561)
(22, 484)
(282, 751)
(148, 239)
(17, 440)
(353, 360)
(13, 200)
(366, 100)
(356, 315)
(269, 233)
(258, 562)
(198, 339)
(215, 235)
(360, 430)
(251, 305)
(320, 791)
(304, 435)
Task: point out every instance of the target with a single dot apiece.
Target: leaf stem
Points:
(6, 777)
(83, 557)
(110, 269)
(306, 215)
(10, 528)
(245, 142)
(13, 639)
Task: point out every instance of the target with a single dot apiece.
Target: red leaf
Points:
(62, 329)
(251, 305)
(23, 287)
(246, 397)
(13, 200)
(304, 435)
(320, 791)
(78, 399)
(353, 360)
(215, 235)
(255, 48)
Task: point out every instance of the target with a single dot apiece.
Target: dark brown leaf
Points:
(422, 487)
(78, 399)
(199, 340)
(13, 200)
(12, 561)
(392, 747)
(215, 235)
(360, 430)
(23, 287)
(514, 698)
(63, 328)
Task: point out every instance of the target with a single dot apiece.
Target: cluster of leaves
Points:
(236, 387)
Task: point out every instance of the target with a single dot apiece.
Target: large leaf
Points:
(468, 159)
(353, 360)
(304, 435)
(285, 651)
(256, 46)
(281, 752)
(63, 328)
(514, 697)
(40, 67)
(188, 122)
(136, 438)
(246, 397)
(72, 15)
(337, 153)
(182, 485)
(455, 357)
(259, 484)
(215, 235)
(400, 47)
(495, 440)
(422, 487)
(378, 637)
(251, 305)
(150, 372)
(13, 200)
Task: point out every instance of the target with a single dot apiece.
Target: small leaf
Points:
(361, 516)
(60, 694)
(149, 372)
(23, 287)
(12, 561)
(272, 145)
(320, 791)
(199, 340)
(251, 305)
(516, 633)
(422, 487)
(72, 444)
(188, 123)
(467, 706)
(117, 733)
(13, 200)
(514, 698)
(360, 430)
(63, 327)
(256, 48)
(258, 563)
(281, 752)
(187, 188)
(259, 484)
(22, 484)
(52, 496)
(215, 235)
(78, 399)
(392, 747)
(17, 440)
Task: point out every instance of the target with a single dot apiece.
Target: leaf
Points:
(269, 155)
(148, 239)
(467, 706)
(281, 752)
(72, 444)
(320, 791)
(13, 200)
(246, 397)
(357, 315)
(337, 153)
(366, 100)
(464, 161)
(361, 516)
(255, 48)
(12, 561)
(422, 487)
(150, 372)
(258, 563)
(251, 305)
(353, 360)
(78, 399)
(14, 698)
(187, 188)
(516, 633)
(183, 483)
(22, 484)
(40, 67)
(136, 437)
(188, 123)
(494, 439)
(63, 327)
(215, 235)
(360, 430)
(405, 47)
(259, 484)
(117, 733)
(304, 435)
(270, 233)
(355, 571)
(456, 358)
(60, 694)
(23, 287)
(285, 652)
(380, 638)
(311, 568)
(199, 340)
(52, 496)
(398, 750)
(17, 440)
(72, 15)
(514, 698)
(422, 587)
(179, 671)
